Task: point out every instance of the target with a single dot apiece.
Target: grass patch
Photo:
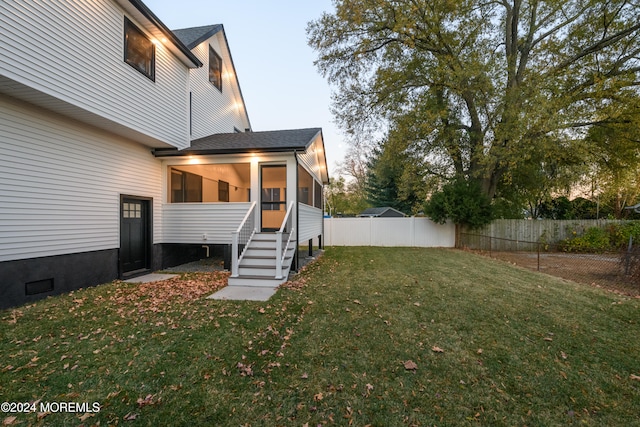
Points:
(379, 336)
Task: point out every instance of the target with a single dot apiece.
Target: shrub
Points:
(620, 234)
(462, 202)
(593, 240)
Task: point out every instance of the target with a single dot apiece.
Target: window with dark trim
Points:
(317, 195)
(223, 191)
(139, 51)
(185, 187)
(305, 186)
(215, 68)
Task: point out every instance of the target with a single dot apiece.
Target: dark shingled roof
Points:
(248, 142)
(380, 211)
(192, 37)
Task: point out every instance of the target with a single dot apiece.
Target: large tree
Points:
(482, 88)
(615, 161)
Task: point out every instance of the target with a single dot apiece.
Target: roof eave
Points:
(139, 10)
(219, 151)
(233, 67)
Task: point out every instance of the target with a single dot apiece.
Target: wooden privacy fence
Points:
(547, 231)
(412, 232)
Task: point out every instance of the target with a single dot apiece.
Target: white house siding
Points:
(202, 223)
(61, 181)
(309, 222)
(214, 111)
(74, 51)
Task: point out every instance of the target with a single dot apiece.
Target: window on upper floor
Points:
(215, 69)
(139, 51)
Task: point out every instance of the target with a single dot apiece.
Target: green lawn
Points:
(367, 336)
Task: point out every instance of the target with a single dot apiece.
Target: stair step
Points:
(258, 271)
(264, 262)
(267, 244)
(257, 281)
(257, 267)
(253, 252)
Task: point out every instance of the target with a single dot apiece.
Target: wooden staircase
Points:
(258, 264)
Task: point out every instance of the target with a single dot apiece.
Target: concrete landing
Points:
(245, 293)
(153, 277)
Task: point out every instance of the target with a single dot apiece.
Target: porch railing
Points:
(287, 226)
(241, 237)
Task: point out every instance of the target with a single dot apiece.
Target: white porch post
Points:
(279, 255)
(255, 192)
(234, 254)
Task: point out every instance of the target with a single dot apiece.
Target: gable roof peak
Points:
(193, 36)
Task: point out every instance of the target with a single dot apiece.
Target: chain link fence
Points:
(615, 270)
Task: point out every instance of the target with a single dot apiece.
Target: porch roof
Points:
(248, 142)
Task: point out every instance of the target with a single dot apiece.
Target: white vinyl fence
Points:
(413, 232)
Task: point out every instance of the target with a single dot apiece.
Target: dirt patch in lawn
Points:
(601, 270)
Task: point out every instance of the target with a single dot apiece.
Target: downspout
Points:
(295, 256)
(322, 240)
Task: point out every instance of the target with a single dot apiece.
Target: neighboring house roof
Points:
(386, 211)
(192, 37)
(248, 142)
(635, 208)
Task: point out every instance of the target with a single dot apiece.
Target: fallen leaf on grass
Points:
(318, 397)
(368, 389)
(86, 416)
(148, 400)
(245, 370)
(635, 377)
(410, 365)
(8, 421)
(479, 351)
(130, 416)
(437, 349)
(548, 339)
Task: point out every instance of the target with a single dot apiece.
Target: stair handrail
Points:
(242, 236)
(287, 224)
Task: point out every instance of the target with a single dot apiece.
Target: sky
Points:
(282, 89)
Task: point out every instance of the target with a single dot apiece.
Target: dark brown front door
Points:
(135, 235)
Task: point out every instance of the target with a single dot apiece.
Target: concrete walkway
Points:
(153, 277)
(244, 293)
(232, 293)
